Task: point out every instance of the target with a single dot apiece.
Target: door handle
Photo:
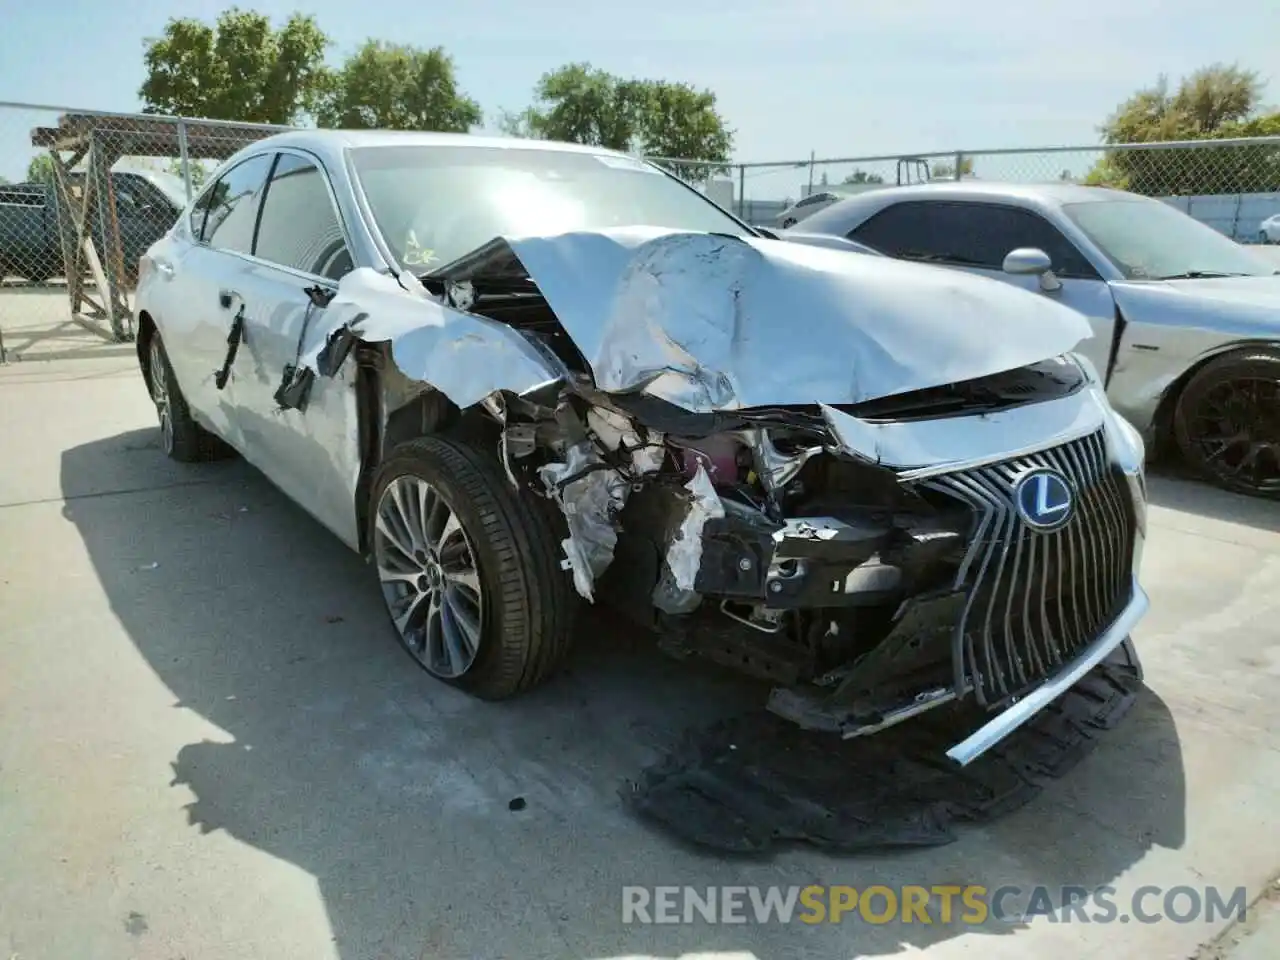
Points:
(226, 298)
(165, 268)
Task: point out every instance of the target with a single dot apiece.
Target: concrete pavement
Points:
(211, 747)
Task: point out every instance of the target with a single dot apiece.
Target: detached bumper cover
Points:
(992, 732)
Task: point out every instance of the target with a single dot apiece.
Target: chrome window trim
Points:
(273, 154)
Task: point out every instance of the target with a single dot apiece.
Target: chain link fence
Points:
(1231, 185)
(84, 193)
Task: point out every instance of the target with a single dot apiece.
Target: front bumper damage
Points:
(759, 504)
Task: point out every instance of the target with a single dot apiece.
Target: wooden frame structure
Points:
(85, 202)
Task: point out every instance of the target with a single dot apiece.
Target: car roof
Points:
(330, 144)
(1044, 196)
(1057, 192)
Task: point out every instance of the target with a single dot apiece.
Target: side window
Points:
(126, 202)
(299, 227)
(968, 234)
(199, 210)
(232, 210)
(902, 230)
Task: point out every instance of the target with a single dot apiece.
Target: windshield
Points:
(1150, 240)
(434, 204)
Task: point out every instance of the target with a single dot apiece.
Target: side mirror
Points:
(1030, 261)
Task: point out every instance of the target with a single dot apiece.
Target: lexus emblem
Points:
(1044, 500)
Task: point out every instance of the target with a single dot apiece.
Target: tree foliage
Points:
(40, 169)
(862, 176)
(198, 172)
(240, 68)
(582, 104)
(1214, 103)
(947, 171)
(579, 103)
(396, 87)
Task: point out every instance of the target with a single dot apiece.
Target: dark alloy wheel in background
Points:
(1227, 422)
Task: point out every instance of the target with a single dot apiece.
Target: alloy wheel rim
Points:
(160, 395)
(429, 575)
(1236, 432)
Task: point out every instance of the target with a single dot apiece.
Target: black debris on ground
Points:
(746, 784)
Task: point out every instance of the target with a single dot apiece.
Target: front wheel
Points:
(469, 569)
(1227, 422)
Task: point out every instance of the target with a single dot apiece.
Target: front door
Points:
(312, 452)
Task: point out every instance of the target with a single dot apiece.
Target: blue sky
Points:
(839, 78)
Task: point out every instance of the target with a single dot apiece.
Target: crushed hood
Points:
(711, 322)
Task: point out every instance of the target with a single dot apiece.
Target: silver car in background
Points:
(1185, 322)
(521, 375)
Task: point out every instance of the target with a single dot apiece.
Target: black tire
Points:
(1239, 394)
(527, 602)
(181, 438)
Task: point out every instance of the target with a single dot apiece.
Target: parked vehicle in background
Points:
(147, 204)
(509, 372)
(1269, 230)
(805, 207)
(820, 240)
(1186, 323)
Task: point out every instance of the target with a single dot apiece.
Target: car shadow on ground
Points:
(1174, 487)
(437, 825)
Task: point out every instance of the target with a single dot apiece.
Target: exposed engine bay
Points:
(806, 544)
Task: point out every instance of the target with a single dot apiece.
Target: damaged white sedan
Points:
(519, 376)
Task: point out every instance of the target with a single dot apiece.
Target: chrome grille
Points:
(1035, 599)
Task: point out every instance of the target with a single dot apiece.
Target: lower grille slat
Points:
(1038, 594)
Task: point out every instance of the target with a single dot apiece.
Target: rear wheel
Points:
(469, 569)
(1227, 422)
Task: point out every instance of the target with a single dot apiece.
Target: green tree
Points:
(681, 122)
(862, 176)
(582, 104)
(1216, 102)
(518, 123)
(239, 68)
(397, 87)
(198, 173)
(947, 171)
(40, 169)
(579, 103)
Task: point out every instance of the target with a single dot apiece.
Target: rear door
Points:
(196, 303)
(977, 236)
(302, 244)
